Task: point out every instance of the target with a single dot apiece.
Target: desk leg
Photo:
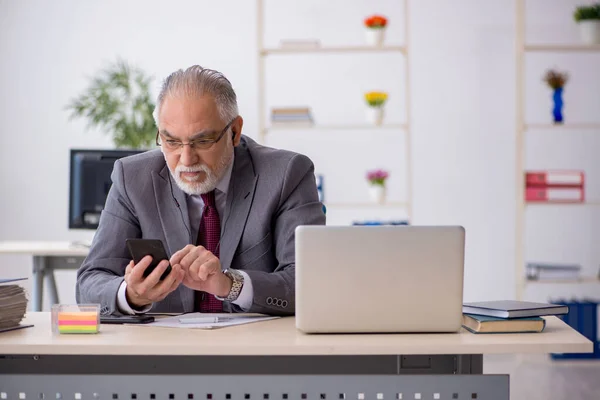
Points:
(49, 275)
(37, 296)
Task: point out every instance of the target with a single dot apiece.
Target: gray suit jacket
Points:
(271, 192)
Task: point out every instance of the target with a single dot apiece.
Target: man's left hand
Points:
(202, 270)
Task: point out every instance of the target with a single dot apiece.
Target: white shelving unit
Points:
(523, 129)
(333, 49)
(358, 51)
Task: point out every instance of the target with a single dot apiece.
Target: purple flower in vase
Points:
(377, 177)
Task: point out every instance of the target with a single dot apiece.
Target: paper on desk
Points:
(232, 319)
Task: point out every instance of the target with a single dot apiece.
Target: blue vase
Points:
(558, 105)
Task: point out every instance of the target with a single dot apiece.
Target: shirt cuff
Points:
(124, 306)
(244, 300)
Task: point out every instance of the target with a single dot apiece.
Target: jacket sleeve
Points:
(298, 205)
(101, 274)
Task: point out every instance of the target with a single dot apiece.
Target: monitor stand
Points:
(83, 243)
(80, 243)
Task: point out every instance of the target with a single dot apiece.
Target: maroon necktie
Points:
(209, 236)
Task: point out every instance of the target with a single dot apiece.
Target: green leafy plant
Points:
(587, 12)
(118, 100)
(555, 79)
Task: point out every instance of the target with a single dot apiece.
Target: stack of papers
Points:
(209, 320)
(13, 305)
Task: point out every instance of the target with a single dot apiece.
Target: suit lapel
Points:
(172, 211)
(175, 220)
(239, 199)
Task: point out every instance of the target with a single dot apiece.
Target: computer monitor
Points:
(90, 182)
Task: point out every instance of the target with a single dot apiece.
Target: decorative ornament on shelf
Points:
(557, 80)
(377, 188)
(588, 19)
(375, 33)
(321, 193)
(375, 102)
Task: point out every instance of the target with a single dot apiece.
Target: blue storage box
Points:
(583, 317)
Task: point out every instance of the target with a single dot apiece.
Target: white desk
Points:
(47, 257)
(260, 361)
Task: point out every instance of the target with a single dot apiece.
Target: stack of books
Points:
(382, 222)
(300, 44)
(13, 305)
(508, 316)
(545, 271)
(294, 116)
(555, 186)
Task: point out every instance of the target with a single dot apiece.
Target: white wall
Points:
(47, 51)
(463, 89)
(464, 120)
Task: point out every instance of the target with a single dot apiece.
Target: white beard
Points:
(211, 177)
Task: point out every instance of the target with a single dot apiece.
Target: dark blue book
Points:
(513, 309)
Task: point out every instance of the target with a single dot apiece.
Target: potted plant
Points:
(375, 103)
(118, 101)
(377, 188)
(375, 33)
(556, 80)
(588, 19)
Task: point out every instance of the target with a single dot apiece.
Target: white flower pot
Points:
(590, 31)
(375, 115)
(375, 36)
(377, 193)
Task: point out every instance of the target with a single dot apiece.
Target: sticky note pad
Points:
(75, 318)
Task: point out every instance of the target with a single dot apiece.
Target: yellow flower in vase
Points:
(375, 101)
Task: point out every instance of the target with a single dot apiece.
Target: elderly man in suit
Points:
(225, 207)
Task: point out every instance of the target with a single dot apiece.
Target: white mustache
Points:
(193, 168)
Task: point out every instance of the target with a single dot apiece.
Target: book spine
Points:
(555, 178)
(554, 195)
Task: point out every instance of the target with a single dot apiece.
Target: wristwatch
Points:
(236, 286)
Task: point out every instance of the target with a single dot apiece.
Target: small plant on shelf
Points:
(375, 25)
(375, 102)
(377, 184)
(556, 81)
(588, 19)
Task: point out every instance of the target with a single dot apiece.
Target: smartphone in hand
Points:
(126, 319)
(140, 248)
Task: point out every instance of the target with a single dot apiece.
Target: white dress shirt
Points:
(195, 208)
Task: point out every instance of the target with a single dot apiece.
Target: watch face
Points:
(235, 275)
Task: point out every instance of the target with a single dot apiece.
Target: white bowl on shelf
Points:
(589, 31)
(375, 115)
(375, 36)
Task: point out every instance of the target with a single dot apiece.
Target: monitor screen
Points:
(89, 184)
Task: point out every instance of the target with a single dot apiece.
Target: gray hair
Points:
(197, 81)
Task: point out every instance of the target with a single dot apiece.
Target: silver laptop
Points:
(367, 279)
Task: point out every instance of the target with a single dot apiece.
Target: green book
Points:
(485, 324)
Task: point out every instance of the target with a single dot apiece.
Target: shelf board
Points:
(333, 49)
(562, 127)
(292, 127)
(558, 204)
(564, 281)
(366, 205)
(582, 48)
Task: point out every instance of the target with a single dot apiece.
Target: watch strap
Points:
(236, 286)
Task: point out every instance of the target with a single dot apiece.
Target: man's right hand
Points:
(144, 291)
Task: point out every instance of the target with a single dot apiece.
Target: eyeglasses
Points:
(202, 143)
